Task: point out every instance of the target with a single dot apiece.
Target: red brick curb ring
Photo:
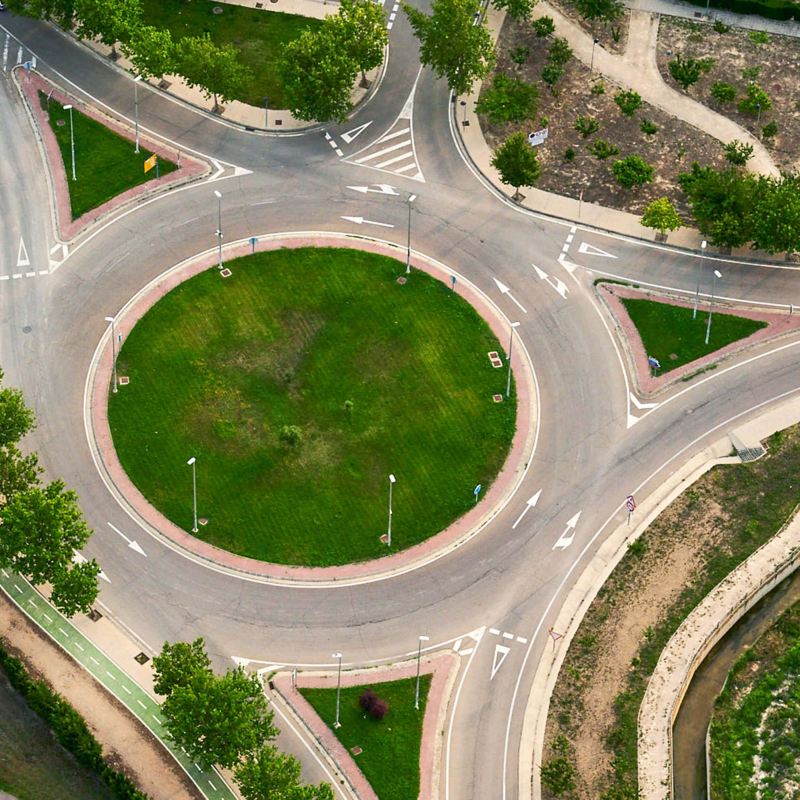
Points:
(500, 492)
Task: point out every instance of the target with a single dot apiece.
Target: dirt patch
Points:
(778, 61)
(127, 744)
(671, 150)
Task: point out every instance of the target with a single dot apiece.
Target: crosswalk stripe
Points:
(395, 160)
(393, 135)
(384, 151)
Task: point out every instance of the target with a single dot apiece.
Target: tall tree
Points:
(516, 162)
(318, 75)
(452, 44)
(18, 472)
(16, 419)
(216, 71)
(177, 663)
(360, 27)
(661, 216)
(776, 214)
(62, 12)
(272, 775)
(75, 588)
(508, 100)
(111, 20)
(152, 51)
(603, 10)
(219, 720)
(518, 9)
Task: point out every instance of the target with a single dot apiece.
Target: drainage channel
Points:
(694, 715)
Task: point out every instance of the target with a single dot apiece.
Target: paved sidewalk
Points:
(120, 683)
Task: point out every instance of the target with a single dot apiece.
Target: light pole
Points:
(699, 275)
(218, 195)
(717, 274)
(266, 112)
(192, 462)
(338, 656)
(464, 122)
(419, 656)
(510, 347)
(112, 320)
(136, 109)
(758, 119)
(71, 139)
(409, 201)
(591, 65)
(392, 481)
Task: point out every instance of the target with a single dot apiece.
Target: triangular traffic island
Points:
(665, 340)
(108, 172)
(384, 747)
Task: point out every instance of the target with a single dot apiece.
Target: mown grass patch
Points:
(667, 330)
(299, 384)
(105, 162)
(391, 746)
(259, 36)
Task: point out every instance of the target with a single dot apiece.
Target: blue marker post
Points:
(453, 282)
(253, 242)
(654, 364)
(156, 167)
(476, 491)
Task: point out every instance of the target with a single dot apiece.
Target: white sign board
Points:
(538, 137)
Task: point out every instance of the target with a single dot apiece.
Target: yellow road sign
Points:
(150, 163)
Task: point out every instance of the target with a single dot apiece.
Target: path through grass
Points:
(300, 384)
(391, 746)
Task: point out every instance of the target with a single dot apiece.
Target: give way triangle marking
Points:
(350, 135)
(500, 653)
(22, 256)
(590, 250)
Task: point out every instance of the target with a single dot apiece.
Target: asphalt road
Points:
(587, 459)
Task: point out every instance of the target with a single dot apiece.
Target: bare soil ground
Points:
(127, 744)
(670, 151)
(779, 63)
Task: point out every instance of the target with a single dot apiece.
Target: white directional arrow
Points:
(557, 284)
(350, 135)
(505, 290)
(79, 558)
(383, 188)
(532, 501)
(639, 404)
(590, 250)
(22, 256)
(500, 653)
(362, 221)
(132, 544)
(565, 540)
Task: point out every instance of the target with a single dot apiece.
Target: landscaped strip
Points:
(755, 734)
(300, 384)
(710, 529)
(390, 746)
(258, 35)
(105, 162)
(674, 335)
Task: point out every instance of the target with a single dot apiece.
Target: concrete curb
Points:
(459, 532)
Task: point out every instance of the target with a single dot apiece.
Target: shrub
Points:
(558, 773)
(751, 73)
(551, 73)
(738, 152)
(684, 71)
(720, 27)
(544, 26)
(560, 52)
(632, 171)
(628, 102)
(348, 406)
(759, 37)
(508, 100)
(649, 128)
(769, 130)
(586, 126)
(706, 64)
(602, 149)
(290, 434)
(598, 88)
(379, 709)
(569, 154)
(757, 100)
(723, 92)
(367, 699)
(519, 55)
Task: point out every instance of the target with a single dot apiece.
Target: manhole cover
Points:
(226, 273)
(356, 751)
(217, 9)
(27, 329)
(124, 380)
(401, 280)
(95, 615)
(673, 356)
(498, 398)
(385, 538)
(142, 658)
(61, 122)
(203, 521)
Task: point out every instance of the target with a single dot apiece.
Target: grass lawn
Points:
(32, 763)
(105, 164)
(220, 367)
(259, 36)
(668, 330)
(390, 757)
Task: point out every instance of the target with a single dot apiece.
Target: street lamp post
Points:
(266, 112)
(717, 274)
(419, 656)
(699, 275)
(136, 109)
(758, 119)
(392, 481)
(464, 122)
(338, 656)
(409, 201)
(595, 41)
(71, 139)
(218, 195)
(192, 462)
(510, 347)
(112, 320)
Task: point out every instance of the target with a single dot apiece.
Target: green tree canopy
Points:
(216, 71)
(685, 71)
(360, 27)
(152, 51)
(75, 588)
(16, 419)
(518, 9)
(632, 171)
(18, 472)
(661, 216)
(177, 663)
(272, 775)
(111, 20)
(602, 10)
(508, 100)
(62, 12)
(318, 76)
(516, 162)
(451, 44)
(776, 214)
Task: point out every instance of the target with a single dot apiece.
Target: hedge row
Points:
(771, 9)
(68, 726)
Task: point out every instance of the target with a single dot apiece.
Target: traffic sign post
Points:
(538, 137)
(476, 491)
(654, 364)
(630, 504)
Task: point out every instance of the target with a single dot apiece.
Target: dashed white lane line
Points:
(155, 719)
(508, 635)
(214, 788)
(392, 16)
(332, 142)
(125, 688)
(32, 602)
(64, 633)
(48, 618)
(141, 703)
(79, 646)
(94, 660)
(111, 675)
(18, 589)
(494, 631)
